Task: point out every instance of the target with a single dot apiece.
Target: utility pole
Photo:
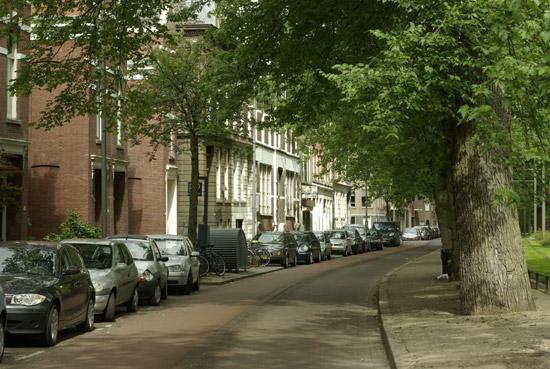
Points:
(366, 205)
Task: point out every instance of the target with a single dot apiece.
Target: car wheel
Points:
(157, 294)
(110, 309)
(132, 305)
(88, 324)
(49, 336)
(197, 284)
(2, 340)
(189, 285)
(164, 292)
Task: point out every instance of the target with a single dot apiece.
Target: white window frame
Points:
(11, 70)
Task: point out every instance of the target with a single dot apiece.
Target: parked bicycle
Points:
(258, 257)
(211, 262)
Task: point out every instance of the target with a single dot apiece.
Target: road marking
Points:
(29, 355)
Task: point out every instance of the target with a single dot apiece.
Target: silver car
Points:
(3, 321)
(153, 273)
(113, 273)
(340, 242)
(325, 244)
(183, 262)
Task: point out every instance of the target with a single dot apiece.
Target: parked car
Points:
(340, 242)
(324, 242)
(113, 272)
(309, 248)
(425, 232)
(391, 235)
(411, 234)
(362, 233)
(153, 273)
(183, 262)
(47, 289)
(375, 239)
(357, 244)
(3, 320)
(282, 247)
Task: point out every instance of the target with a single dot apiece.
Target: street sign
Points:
(189, 188)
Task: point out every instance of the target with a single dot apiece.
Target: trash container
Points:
(230, 243)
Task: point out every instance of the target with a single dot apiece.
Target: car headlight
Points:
(147, 276)
(303, 248)
(27, 299)
(175, 268)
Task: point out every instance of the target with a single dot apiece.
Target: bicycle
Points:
(211, 262)
(258, 257)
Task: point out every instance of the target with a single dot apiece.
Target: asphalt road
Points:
(314, 316)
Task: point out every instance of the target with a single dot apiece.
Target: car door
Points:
(315, 244)
(121, 272)
(194, 261)
(81, 283)
(68, 293)
(159, 265)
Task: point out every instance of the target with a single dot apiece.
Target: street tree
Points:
(191, 94)
(455, 79)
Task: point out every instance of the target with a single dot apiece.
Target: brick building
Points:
(65, 173)
(14, 118)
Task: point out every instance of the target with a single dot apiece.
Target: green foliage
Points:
(191, 89)
(79, 44)
(73, 227)
(537, 256)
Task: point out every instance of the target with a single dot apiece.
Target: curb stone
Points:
(238, 277)
(394, 346)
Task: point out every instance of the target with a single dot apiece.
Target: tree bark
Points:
(445, 217)
(492, 266)
(194, 196)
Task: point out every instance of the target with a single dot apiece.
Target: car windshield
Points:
(270, 237)
(299, 237)
(337, 236)
(171, 247)
(140, 250)
(385, 226)
(27, 260)
(95, 256)
(321, 236)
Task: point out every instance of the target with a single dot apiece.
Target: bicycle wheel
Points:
(265, 257)
(204, 266)
(217, 264)
(251, 259)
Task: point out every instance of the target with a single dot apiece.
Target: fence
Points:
(536, 278)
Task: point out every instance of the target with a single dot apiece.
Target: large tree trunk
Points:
(194, 196)
(493, 270)
(445, 217)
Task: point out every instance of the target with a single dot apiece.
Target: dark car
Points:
(153, 273)
(282, 247)
(357, 245)
(374, 238)
(363, 233)
(391, 235)
(425, 232)
(309, 247)
(47, 289)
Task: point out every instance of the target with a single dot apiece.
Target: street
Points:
(313, 316)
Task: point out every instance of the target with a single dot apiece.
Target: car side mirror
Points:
(195, 254)
(164, 258)
(71, 270)
(120, 266)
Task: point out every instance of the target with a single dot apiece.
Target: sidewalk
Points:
(213, 279)
(423, 328)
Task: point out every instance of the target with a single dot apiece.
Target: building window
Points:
(12, 75)
(352, 199)
(363, 198)
(98, 127)
(119, 118)
(244, 179)
(226, 176)
(218, 174)
(236, 178)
